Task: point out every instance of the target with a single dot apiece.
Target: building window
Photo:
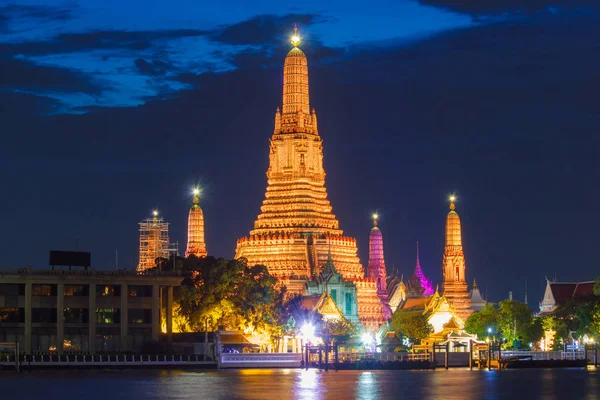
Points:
(108, 315)
(140, 316)
(42, 290)
(108, 290)
(334, 295)
(76, 290)
(43, 315)
(8, 315)
(76, 315)
(348, 303)
(9, 289)
(139, 291)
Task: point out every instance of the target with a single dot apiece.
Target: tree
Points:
(412, 325)
(339, 329)
(511, 321)
(479, 322)
(228, 293)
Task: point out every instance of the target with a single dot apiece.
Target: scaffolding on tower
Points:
(154, 242)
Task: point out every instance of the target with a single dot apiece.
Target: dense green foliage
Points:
(227, 293)
(511, 322)
(412, 325)
(580, 315)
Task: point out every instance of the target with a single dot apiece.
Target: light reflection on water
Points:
(306, 385)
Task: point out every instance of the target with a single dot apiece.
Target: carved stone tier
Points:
(299, 255)
(370, 308)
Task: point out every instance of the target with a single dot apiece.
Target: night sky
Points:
(110, 109)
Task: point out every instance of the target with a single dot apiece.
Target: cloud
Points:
(154, 67)
(18, 104)
(486, 7)
(264, 29)
(24, 75)
(15, 17)
(96, 40)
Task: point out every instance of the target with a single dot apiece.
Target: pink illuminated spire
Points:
(425, 282)
(376, 267)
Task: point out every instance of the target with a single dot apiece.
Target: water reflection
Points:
(367, 387)
(551, 384)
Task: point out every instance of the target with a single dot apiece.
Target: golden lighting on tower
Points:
(452, 198)
(155, 213)
(196, 191)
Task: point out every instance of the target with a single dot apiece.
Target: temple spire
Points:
(453, 230)
(295, 80)
(424, 282)
(376, 268)
(453, 265)
(195, 244)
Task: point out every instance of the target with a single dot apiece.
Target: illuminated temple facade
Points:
(195, 241)
(296, 228)
(455, 284)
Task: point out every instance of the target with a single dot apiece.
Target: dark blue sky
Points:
(111, 109)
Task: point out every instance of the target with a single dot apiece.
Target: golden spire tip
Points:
(452, 199)
(196, 193)
(375, 217)
(295, 39)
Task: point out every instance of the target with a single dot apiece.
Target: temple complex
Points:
(296, 227)
(195, 243)
(455, 284)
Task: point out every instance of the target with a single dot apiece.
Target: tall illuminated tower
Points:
(296, 227)
(376, 267)
(154, 241)
(195, 242)
(455, 284)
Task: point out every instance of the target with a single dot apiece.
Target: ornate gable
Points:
(328, 309)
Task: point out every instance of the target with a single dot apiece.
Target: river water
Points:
(547, 384)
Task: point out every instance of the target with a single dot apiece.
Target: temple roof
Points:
(475, 294)
(416, 303)
(563, 291)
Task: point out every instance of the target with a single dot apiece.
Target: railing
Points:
(104, 360)
(261, 357)
(545, 355)
(91, 271)
(383, 357)
(281, 360)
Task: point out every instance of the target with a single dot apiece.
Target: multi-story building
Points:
(87, 311)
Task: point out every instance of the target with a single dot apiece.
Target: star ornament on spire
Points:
(375, 217)
(295, 39)
(196, 194)
(452, 199)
